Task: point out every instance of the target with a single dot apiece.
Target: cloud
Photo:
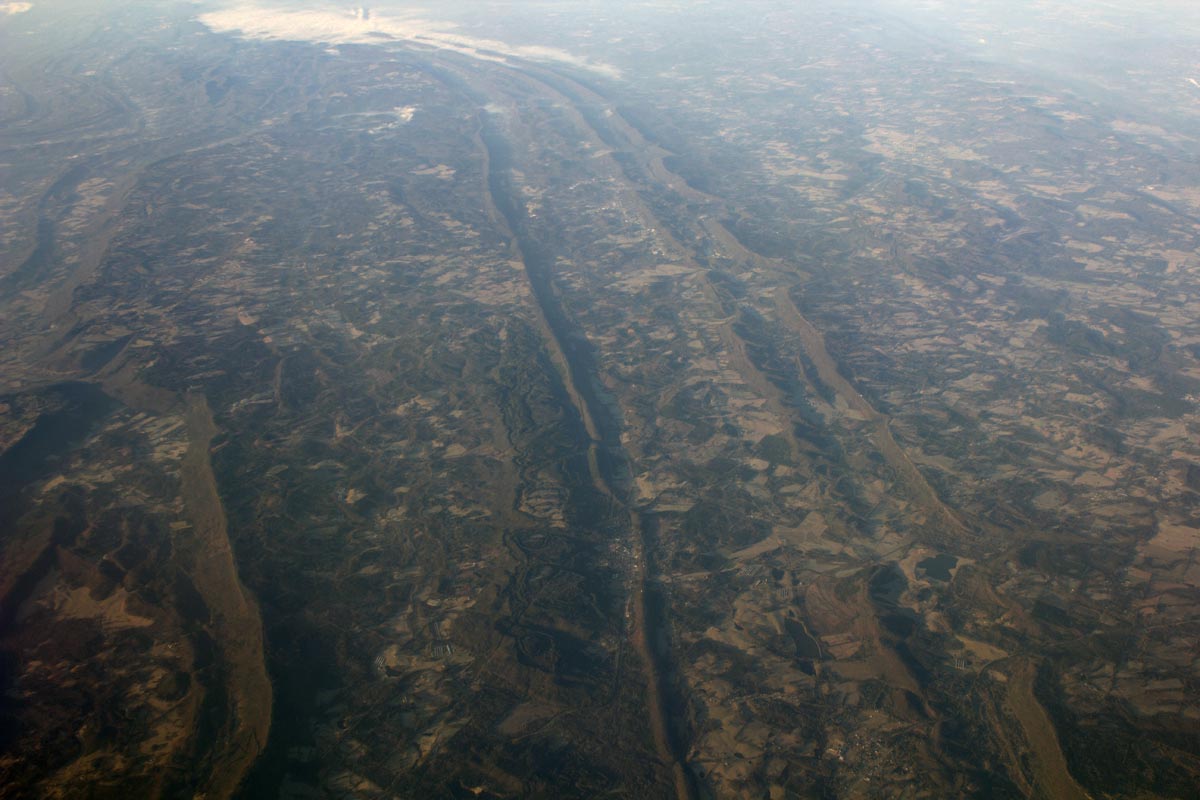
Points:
(333, 27)
(9, 9)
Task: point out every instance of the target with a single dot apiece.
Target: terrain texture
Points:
(801, 405)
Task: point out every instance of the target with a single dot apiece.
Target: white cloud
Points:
(14, 8)
(333, 27)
